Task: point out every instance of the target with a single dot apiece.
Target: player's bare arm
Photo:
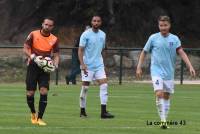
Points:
(139, 66)
(185, 58)
(80, 55)
(104, 57)
(27, 50)
(56, 59)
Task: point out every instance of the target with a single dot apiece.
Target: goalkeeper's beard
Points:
(46, 31)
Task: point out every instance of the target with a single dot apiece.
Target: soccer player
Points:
(163, 47)
(92, 42)
(39, 43)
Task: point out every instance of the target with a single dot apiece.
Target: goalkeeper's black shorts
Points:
(35, 75)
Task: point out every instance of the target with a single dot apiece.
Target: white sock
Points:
(104, 93)
(83, 96)
(167, 106)
(161, 108)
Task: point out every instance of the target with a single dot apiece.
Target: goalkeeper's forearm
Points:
(56, 59)
(27, 50)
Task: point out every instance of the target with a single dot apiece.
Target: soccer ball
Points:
(47, 65)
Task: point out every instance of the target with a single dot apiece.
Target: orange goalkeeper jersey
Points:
(42, 45)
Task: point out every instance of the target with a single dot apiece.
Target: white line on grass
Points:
(57, 127)
(112, 96)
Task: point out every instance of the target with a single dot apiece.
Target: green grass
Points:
(132, 104)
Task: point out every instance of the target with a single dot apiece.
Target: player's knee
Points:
(102, 81)
(104, 89)
(30, 97)
(104, 86)
(160, 94)
(85, 83)
(166, 96)
(85, 88)
(43, 91)
(30, 93)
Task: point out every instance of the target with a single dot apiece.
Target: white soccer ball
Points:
(48, 65)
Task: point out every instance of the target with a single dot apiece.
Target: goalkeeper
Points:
(39, 44)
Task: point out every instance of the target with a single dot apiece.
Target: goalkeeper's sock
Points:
(83, 96)
(167, 107)
(161, 108)
(42, 105)
(30, 102)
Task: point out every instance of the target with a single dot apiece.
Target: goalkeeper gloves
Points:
(38, 60)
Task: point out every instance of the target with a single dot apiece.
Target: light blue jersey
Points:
(163, 54)
(93, 43)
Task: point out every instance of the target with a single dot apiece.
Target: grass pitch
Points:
(132, 104)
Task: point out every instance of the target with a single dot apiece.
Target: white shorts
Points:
(165, 85)
(93, 75)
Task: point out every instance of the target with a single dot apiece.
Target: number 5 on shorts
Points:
(157, 82)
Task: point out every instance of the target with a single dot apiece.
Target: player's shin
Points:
(83, 96)
(167, 106)
(161, 108)
(42, 105)
(103, 96)
(30, 102)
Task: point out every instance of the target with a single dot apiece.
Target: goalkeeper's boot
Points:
(83, 113)
(163, 125)
(41, 122)
(33, 118)
(106, 115)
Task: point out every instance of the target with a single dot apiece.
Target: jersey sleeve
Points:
(148, 45)
(29, 40)
(178, 44)
(104, 43)
(83, 40)
(56, 47)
